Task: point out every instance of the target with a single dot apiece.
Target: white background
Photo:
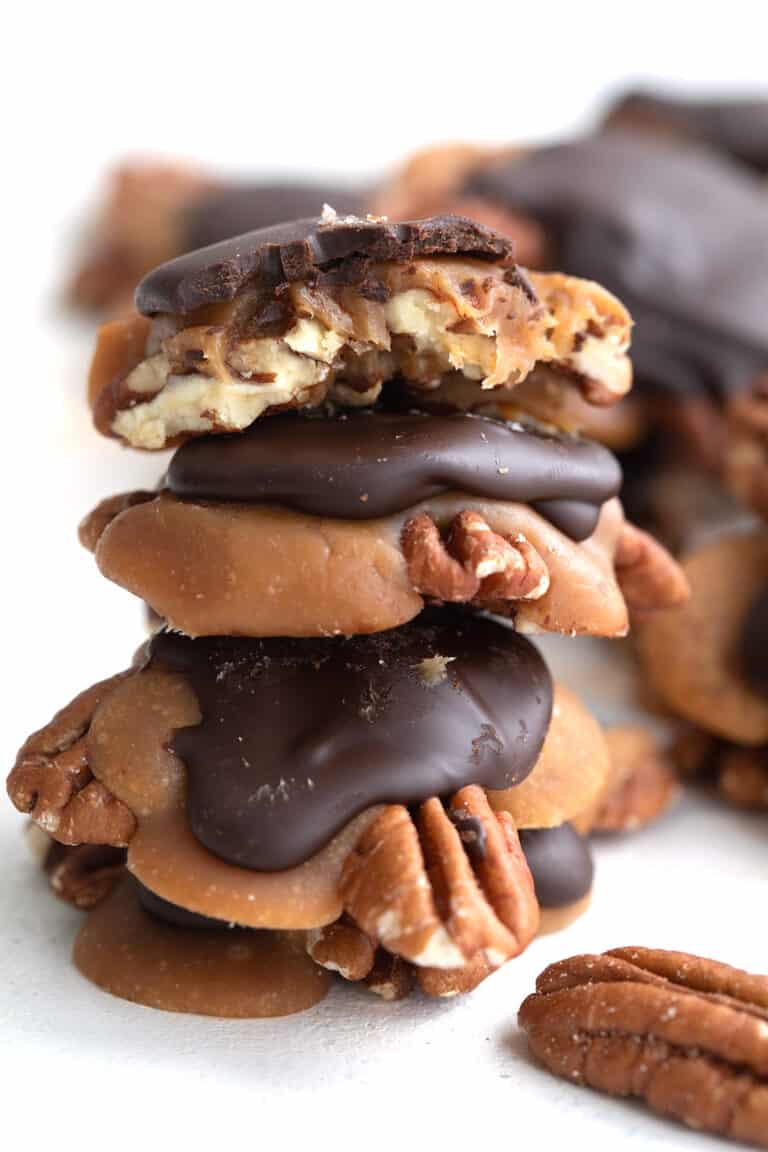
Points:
(331, 88)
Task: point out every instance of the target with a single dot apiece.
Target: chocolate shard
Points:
(303, 250)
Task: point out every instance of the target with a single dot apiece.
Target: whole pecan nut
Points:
(51, 780)
(686, 1034)
(472, 562)
(442, 887)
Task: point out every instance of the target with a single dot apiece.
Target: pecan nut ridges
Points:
(52, 781)
(686, 1034)
(443, 887)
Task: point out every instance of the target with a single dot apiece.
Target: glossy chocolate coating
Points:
(298, 736)
(238, 208)
(678, 232)
(310, 250)
(755, 644)
(738, 128)
(560, 863)
(372, 464)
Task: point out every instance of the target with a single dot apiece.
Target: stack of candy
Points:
(339, 752)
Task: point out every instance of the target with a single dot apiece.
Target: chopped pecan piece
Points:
(650, 579)
(686, 1034)
(740, 773)
(85, 874)
(51, 780)
(341, 947)
(442, 887)
(472, 562)
(642, 785)
(391, 977)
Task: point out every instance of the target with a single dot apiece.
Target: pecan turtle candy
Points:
(707, 664)
(316, 525)
(332, 309)
(296, 827)
(687, 1035)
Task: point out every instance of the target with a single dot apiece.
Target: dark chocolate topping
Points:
(737, 127)
(298, 736)
(560, 863)
(678, 232)
(371, 464)
(307, 250)
(755, 644)
(238, 208)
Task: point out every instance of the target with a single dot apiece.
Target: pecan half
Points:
(472, 562)
(642, 784)
(686, 1034)
(341, 947)
(444, 886)
(649, 577)
(51, 780)
(85, 874)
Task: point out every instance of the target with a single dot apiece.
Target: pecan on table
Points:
(686, 1034)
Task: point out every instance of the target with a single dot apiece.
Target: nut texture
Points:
(341, 947)
(51, 780)
(473, 563)
(686, 1034)
(83, 875)
(443, 887)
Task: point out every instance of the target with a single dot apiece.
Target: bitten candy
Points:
(332, 308)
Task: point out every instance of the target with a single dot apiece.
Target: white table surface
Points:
(77, 1067)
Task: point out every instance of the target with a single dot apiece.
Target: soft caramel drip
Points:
(210, 971)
